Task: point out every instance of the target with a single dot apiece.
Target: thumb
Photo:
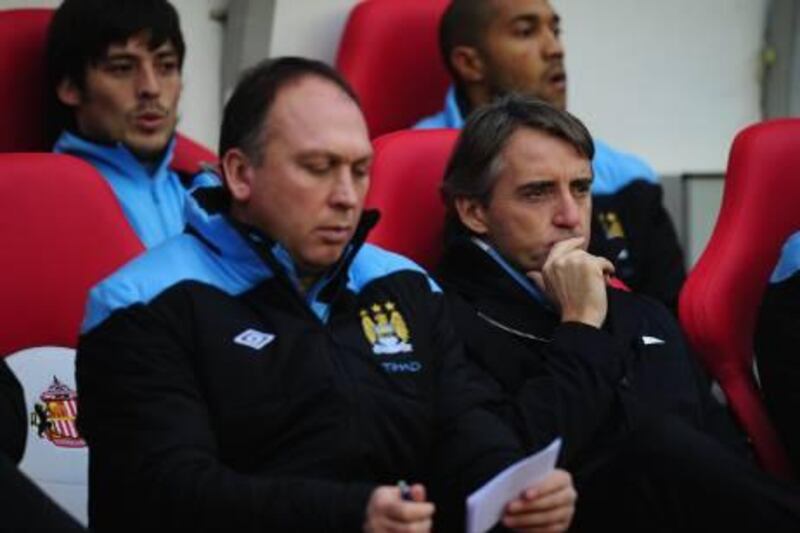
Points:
(418, 493)
(537, 277)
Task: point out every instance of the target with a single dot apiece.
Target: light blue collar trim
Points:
(789, 261)
(528, 285)
(117, 156)
(452, 112)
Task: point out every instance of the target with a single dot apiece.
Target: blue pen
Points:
(405, 490)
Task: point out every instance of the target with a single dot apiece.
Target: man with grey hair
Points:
(605, 369)
(494, 47)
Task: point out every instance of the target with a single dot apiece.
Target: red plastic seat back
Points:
(719, 302)
(22, 84)
(390, 55)
(23, 91)
(406, 177)
(61, 231)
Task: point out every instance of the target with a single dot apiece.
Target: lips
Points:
(335, 234)
(558, 80)
(150, 120)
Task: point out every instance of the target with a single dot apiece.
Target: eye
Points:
(318, 167)
(536, 192)
(119, 68)
(582, 187)
(523, 29)
(168, 65)
(361, 170)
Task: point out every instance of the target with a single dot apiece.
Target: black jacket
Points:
(12, 415)
(217, 396)
(588, 385)
(777, 347)
(634, 231)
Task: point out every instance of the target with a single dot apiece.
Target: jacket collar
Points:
(207, 218)
(113, 156)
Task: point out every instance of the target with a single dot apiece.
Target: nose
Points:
(148, 83)
(552, 47)
(568, 213)
(346, 193)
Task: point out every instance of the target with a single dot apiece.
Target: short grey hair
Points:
(477, 160)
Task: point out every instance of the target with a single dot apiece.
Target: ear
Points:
(238, 174)
(467, 62)
(68, 93)
(472, 214)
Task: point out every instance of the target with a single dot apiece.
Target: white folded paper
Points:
(485, 505)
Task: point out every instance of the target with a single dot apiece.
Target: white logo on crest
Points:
(252, 338)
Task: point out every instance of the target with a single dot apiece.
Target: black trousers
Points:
(668, 476)
(26, 508)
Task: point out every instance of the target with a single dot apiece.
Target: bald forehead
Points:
(314, 114)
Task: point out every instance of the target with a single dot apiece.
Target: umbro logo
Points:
(252, 338)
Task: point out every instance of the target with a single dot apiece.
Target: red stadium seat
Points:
(23, 92)
(406, 175)
(22, 86)
(61, 231)
(390, 54)
(720, 300)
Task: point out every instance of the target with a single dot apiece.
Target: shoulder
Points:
(374, 263)
(614, 169)
(789, 261)
(181, 258)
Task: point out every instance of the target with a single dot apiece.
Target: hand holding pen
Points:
(399, 508)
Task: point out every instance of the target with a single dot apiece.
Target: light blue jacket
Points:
(152, 200)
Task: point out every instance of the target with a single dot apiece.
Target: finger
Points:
(555, 483)
(403, 511)
(393, 526)
(546, 502)
(606, 266)
(418, 493)
(559, 515)
(538, 279)
(561, 247)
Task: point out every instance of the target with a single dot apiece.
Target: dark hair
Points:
(245, 113)
(463, 23)
(477, 157)
(81, 32)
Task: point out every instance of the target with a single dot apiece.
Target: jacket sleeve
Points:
(154, 461)
(566, 386)
(13, 420)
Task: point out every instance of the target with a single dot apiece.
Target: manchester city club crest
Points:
(612, 225)
(386, 329)
(54, 417)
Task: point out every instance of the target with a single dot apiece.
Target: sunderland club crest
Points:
(54, 417)
(386, 329)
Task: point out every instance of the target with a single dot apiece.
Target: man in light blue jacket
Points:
(114, 77)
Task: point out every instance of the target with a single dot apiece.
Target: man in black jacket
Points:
(268, 371)
(25, 507)
(495, 47)
(605, 369)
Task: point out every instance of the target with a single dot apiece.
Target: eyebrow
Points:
(535, 19)
(314, 154)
